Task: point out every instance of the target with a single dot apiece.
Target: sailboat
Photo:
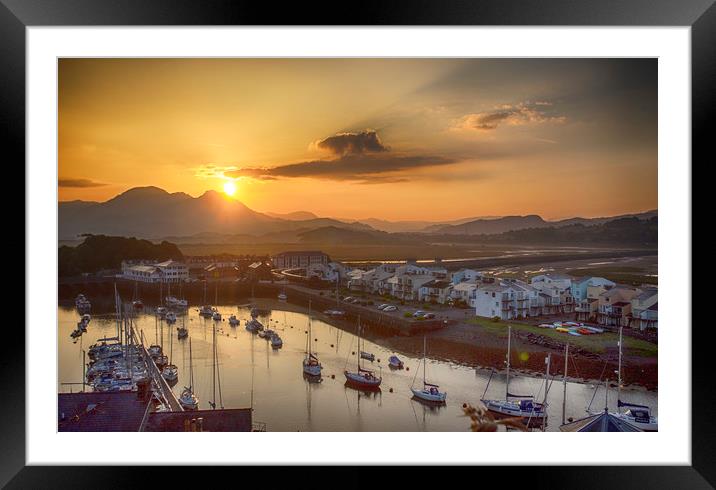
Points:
(363, 378)
(215, 315)
(206, 310)
(188, 399)
(533, 413)
(637, 415)
(136, 302)
(233, 321)
(430, 392)
(311, 364)
(182, 331)
(170, 371)
(215, 375)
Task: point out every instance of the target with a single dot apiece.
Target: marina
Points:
(270, 381)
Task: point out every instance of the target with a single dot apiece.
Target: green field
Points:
(598, 343)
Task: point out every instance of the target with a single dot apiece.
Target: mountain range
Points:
(151, 212)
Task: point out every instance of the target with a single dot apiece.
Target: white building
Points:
(645, 309)
(435, 291)
(300, 259)
(466, 275)
(147, 271)
(466, 292)
(508, 300)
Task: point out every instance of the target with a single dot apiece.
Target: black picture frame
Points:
(16, 15)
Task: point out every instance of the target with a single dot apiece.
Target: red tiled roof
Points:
(100, 412)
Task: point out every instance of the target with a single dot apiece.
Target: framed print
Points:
(324, 241)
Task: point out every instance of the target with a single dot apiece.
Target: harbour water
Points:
(271, 381)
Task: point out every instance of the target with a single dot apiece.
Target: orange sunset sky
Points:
(425, 139)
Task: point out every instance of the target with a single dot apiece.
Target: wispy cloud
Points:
(79, 183)
(519, 114)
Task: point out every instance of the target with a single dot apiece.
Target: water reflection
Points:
(273, 382)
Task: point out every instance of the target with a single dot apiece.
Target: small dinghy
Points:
(395, 362)
(367, 356)
(233, 321)
(276, 341)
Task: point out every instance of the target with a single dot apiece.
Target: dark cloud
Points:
(79, 183)
(368, 168)
(352, 143)
(515, 115)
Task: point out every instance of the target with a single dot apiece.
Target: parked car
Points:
(390, 308)
(348, 299)
(429, 316)
(418, 314)
(384, 305)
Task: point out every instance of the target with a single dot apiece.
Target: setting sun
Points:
(230, 188)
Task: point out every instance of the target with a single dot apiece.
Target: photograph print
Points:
(357, 244)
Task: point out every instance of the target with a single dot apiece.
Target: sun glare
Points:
(230, 188)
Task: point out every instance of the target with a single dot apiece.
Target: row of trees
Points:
(100, 252)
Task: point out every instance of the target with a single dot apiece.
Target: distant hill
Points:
(492, 226)
(295, 216)
(631, 231)
(99, 252)
(150, 212)
(513, 223)
(415, 225)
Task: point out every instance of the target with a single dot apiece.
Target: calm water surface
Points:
(252, 372)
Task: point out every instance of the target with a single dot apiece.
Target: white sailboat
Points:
(637, 415)
(430, 392)
(187, 399)
(206, 310)
(311, 364)
(363, 378)
(170, 371)
(534, 414)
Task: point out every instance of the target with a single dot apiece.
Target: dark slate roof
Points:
(654, 307)
(228, 420)
(601, 422)
(100, 412)
(620, 303)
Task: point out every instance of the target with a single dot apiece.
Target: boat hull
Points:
(361, 381)
(312, 369)
(531, 419)
(426, 396)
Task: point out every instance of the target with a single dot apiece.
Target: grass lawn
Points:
(598, 343)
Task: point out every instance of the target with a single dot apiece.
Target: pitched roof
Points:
(437, 284)
(100, 412)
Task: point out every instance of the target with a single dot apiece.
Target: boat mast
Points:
(308, 340)
(424, 361)
(213, 365)
(216, 294)
(564, 383)
(191, 369)
(619, 369)
(507, 382)
(546, 390)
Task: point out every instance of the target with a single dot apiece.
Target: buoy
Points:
(333, 376)
(353, 353)
(407, 369)
(331, 345)
(378, 360)
(391, 390)
(315, 340)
